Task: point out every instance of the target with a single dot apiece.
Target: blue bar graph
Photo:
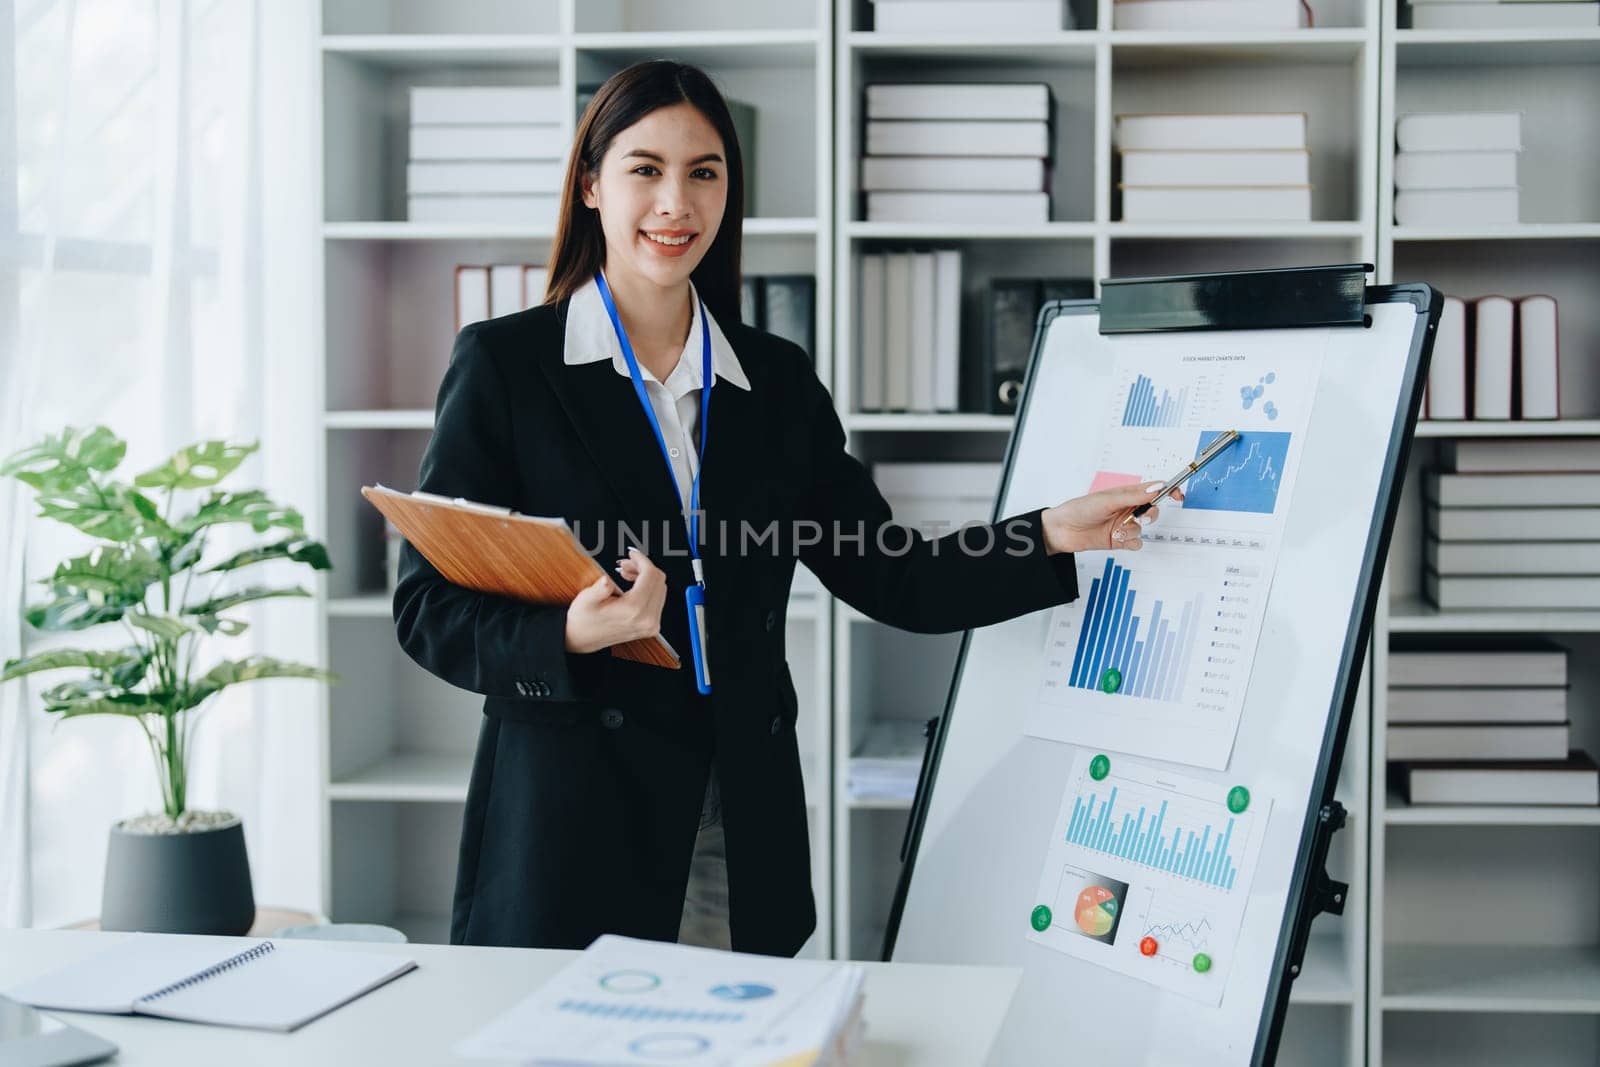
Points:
(1154, 666)
(1143, 409)
(1199, 853)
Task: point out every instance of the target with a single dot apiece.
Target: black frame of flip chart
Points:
(1271, 299)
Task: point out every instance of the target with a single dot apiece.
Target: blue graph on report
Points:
(1199, 852)
(1112, 657)
(1144, 408)
(1244, 478)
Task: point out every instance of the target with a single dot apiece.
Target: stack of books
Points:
(967, 16)
(1211, 14)
(784, 304)
(614, 1002)
(909, 332)
(1484, 722)
(1237, 167)
(1457, 168)
(1514, 524)
(1495, 357)
(503, 289)
(485, 154)
(1504, 15)
(887, 762)
(958, 154)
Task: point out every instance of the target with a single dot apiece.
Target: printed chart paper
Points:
(1154, 657)
(1148, 873)
(626, 1001)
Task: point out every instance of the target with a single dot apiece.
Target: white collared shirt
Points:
(590, 338)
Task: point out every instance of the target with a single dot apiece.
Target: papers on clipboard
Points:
(495, 550)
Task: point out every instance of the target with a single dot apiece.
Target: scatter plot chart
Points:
(1249, 394)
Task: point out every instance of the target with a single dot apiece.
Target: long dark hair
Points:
(579, 250)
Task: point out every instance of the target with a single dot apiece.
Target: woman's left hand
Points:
(1102, 520)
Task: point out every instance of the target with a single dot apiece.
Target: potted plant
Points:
(179, 870)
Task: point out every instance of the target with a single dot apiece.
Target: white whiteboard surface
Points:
(995, 793)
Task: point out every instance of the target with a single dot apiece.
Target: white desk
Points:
(918, 1015)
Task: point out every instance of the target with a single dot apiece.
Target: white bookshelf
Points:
(1095, 73)
(1448, 981)
(399, 743)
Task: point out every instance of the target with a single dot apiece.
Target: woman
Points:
(610, 796)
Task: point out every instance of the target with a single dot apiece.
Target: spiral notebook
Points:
(258, 985)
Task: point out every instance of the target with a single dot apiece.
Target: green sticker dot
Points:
(1111, 680)
(1238, 799)
(1202, 962)
(1040, 918)
(1099, 767)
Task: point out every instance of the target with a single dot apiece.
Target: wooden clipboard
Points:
(495, 550)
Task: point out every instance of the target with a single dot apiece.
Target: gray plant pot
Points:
(185, 883)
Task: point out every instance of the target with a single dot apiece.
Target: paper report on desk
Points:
(626, 1001)
(1155, 656)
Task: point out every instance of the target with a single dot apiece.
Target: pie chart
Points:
(1096, 912)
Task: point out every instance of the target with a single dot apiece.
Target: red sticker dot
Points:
(1148, 946)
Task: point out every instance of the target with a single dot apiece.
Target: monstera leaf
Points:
(297, 549)
(60, 464)
(196, 467)
(253, 668)
(253, 507)
(117, 663)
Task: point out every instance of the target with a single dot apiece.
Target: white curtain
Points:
(157, 209)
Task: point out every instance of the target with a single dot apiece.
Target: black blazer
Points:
(589, 774)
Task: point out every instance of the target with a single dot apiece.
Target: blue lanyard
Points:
(693, 520)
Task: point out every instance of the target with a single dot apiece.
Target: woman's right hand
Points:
(602, 615)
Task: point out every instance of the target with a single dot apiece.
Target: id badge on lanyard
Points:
(695, 595)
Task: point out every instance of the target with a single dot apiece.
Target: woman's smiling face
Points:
(661, 191)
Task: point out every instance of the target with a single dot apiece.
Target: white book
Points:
(1460, 558)
(1459, 131)
(1494, 661)
(897, 331)
(234, 981)
(1495, 593)
(1514, 524)
(1284, 166)
(924, 299)
(534, 282)
(1508, 16)
(1513, 490)
(998, 209)
(505, 290)
(968, 16)
(1538, 357)
(1574, 780)
(1447, 373)
(1493, 343)
(472, 295)
(914, 138)
(952, 174)
(1150, 203)
(492, 176)
(543, 141)
(1524, 454)
(486, 104)
(1212, 132)
(870, 362)
(530, 210)
(1456, 207)
(1455, 170)
(947, 331)
(1489, 741)
(1208, 15)
(1477, 705)
(1009, 101)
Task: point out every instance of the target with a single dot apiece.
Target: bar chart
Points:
(1200, 851)
(1112, 657)
(1144, 409)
